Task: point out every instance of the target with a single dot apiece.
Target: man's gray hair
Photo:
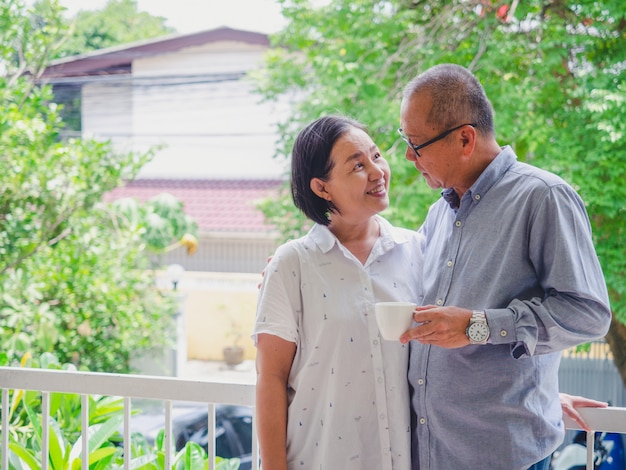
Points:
(457, 98)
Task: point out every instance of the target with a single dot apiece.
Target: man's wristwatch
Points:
(478, 330)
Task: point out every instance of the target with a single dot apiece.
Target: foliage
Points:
(554, 70)
(106, 416)
(28, 37)
(119, 22)
(289, 222)
(191, 456)
(161, 221)
(73, 275)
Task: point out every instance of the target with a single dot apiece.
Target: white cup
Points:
(394, 318)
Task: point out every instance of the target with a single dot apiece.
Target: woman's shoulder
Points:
(290, 247)
(293, 249)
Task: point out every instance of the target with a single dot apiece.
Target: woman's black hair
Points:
(310, 158)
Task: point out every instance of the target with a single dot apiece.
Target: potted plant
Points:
(233, 354)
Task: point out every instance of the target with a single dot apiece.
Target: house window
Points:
(69, 96)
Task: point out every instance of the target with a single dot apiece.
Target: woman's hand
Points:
(569, 403)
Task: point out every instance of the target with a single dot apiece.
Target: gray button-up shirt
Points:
(519, 247)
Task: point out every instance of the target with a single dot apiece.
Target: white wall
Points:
(212, 58)
(209, 130)
(107, 111)
(217, 305)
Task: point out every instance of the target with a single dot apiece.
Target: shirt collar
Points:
(326, 240)
(486, 180)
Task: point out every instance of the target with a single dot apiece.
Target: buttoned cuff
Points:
(501, 326)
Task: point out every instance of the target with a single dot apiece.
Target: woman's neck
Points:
(357, 238)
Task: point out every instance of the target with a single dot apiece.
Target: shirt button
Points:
(477, 196)
(422, 420)
(382, 416)
(380, 380)
(503, 333)
(458, 223)
(420, 381)
(375, 342)
(449, 263)
(439, 302)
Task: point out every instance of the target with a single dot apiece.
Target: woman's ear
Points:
(318, 187)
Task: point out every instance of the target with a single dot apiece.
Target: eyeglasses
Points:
(431, 141)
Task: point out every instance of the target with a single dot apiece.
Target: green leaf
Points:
(100, 454)
(97, 435)
(143, 462)
(25, 455)
(192, 456)
(56, 446)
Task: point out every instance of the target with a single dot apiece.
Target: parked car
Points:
(233, 428)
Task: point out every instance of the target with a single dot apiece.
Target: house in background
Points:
(190, 96)
(189, 93)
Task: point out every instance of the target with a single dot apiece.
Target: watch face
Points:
(478, 332)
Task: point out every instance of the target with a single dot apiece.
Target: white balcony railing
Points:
(165, 389)
(612, 419)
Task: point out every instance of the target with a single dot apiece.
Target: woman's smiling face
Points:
(358, 183)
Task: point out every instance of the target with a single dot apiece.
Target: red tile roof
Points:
(216, 205)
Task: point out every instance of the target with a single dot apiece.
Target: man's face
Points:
(435, 162)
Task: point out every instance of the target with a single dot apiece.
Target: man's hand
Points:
(258, 286)
(439, 326)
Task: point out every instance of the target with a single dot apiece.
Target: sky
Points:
(188, 16)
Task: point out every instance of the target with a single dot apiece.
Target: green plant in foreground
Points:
(106, 416)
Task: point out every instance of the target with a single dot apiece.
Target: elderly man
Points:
(512, 280)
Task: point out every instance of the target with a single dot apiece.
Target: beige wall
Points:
(216, 307)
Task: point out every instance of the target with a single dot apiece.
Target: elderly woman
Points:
(330, 392)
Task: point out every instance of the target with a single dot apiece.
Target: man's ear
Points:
(318, 186)
(468, 139)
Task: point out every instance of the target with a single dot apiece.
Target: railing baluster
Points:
(590, 450)
(6, 406)
(211, 435)
(127, 442)
(45, 427)
(84, 416)
(167, 438)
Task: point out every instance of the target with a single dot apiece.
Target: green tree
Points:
(119, 22)
(73, 271)
(554, 71)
